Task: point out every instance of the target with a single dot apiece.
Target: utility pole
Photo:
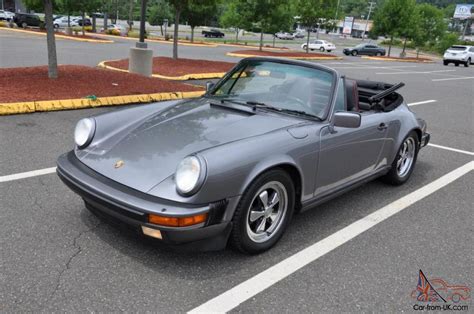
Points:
(337, 11)
(371, 6)
(141, 58)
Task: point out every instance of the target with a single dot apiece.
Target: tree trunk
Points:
(274, 40)
(105, 22)
(83, 23)
(390, 46)
(161, 29)
(192, 34)
(51, 43)
(175, 36)
(404, 47)
(236, 35)
(307, 41)
(261, 40)
(130, 16)
(68, 19)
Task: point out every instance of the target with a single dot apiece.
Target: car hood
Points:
(150, 150)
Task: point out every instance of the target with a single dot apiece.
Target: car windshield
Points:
(284, 86)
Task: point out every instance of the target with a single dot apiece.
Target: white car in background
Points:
(459, 54)
(6, 15)
(321, 45)
(284, 35)
(62, 21)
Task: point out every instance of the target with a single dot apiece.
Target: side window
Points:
(472, 49)
(341, 97)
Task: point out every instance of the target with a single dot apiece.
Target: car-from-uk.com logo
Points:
(437, 295)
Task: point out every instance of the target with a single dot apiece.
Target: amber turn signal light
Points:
(176, 221)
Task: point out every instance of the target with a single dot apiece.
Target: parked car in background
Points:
(213, 33)
(299, 35)
(321, 45)
(25, 20)
(365, 49)
(6, 15)
(284, 35)
(120, 28)
(61, 22)
(459, 55)
(80, 21)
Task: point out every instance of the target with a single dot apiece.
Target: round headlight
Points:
(189, 175)
(84, 132)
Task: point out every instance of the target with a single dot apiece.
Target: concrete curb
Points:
(67, 104)
(60, 36)
(192, 76)
(397, 60)
(241, 55)
(211, 45)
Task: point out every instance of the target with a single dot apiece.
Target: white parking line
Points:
(376, 67)
(452, 149)
(29, 174)
(422, 102)
(420, 72)
(251, 287)
(453, 78)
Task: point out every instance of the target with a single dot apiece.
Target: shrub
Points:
(396, 42)
(447, 41)
(136, 34)
(88, 28)
(3, 24)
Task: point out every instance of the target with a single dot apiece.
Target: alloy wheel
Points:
(267, 211)
(406, 156)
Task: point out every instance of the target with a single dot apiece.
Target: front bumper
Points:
(119, 204)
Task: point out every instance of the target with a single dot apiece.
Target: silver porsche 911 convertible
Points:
(271, 138)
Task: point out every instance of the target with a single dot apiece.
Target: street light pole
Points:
(372, 4)
(141, 43)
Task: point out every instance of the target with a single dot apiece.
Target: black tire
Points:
(321, 49)
(467, 63)
(378, 54)
(354, 53)
(456, 64)
(393, 177)
(445, 62)
(24, 25)
(329, 50)
(304, 47)
(239, 237)
(56, 26)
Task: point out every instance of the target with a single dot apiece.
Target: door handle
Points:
(382, 126)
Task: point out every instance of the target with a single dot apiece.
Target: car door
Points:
(348, 155)
(471, 54)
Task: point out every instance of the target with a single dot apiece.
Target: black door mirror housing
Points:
(346, 119)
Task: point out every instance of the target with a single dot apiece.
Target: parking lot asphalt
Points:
(56, 256)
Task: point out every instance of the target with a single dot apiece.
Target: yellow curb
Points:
(61, 36)
(398, 60)
(241, 55)
(192, 76)
(159, 41)
(67, 104)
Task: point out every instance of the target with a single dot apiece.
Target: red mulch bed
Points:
(170, 67)
(32, 84)
(65, 35)
(406, 58)
(282, 54)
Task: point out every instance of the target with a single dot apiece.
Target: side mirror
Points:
(209, 86)
(347, 119)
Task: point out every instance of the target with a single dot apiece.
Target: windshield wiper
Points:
(257, 104)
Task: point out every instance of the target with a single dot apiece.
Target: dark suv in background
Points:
(24, 20)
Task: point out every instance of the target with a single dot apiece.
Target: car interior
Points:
(359, 95)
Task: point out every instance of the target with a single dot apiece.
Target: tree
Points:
(395, 18)
(47, 5)
(355, 8)
(199, 12)
(158, 12)
(431, 25)
(179, 6)
(313, 12)
(232, 17)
